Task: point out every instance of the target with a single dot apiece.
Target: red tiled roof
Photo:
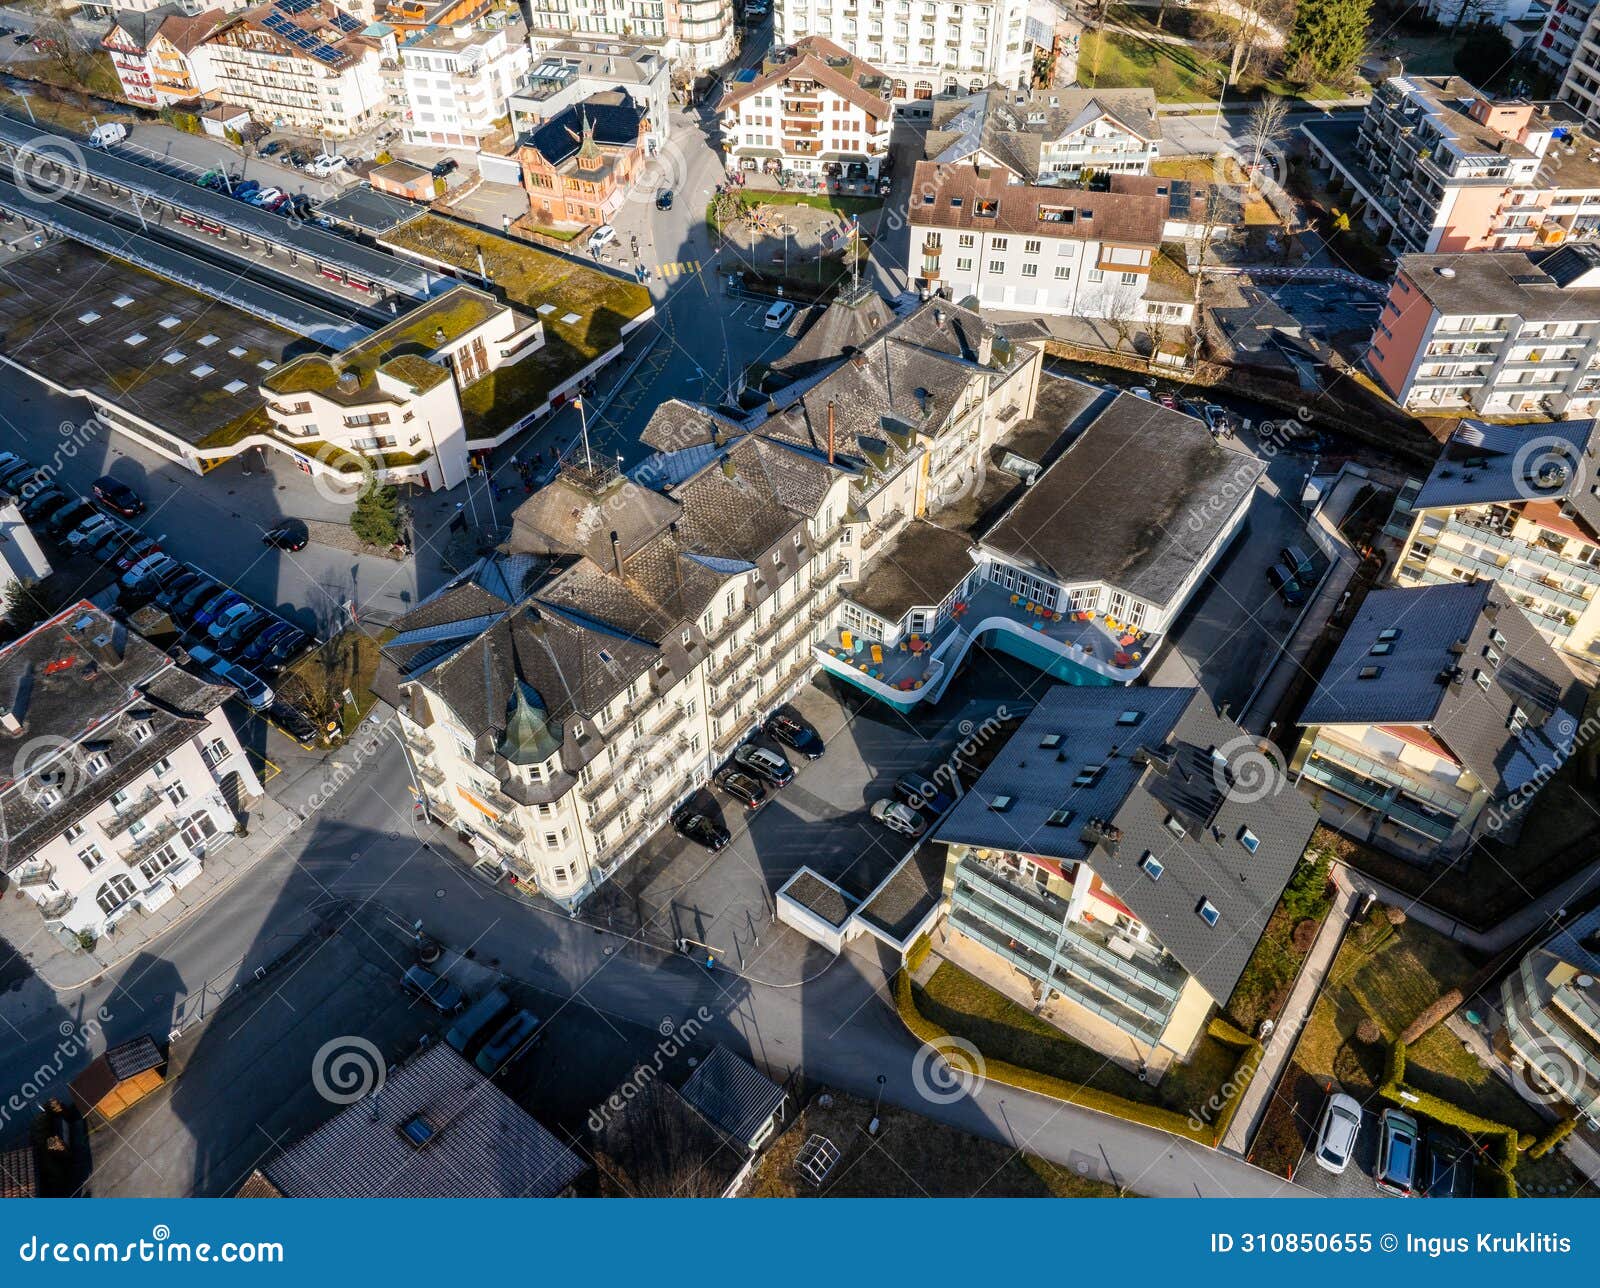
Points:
(815, 58)
(959, 191)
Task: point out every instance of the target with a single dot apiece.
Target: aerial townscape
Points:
(799, 598)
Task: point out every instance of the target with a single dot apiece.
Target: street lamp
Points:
(872, 1127)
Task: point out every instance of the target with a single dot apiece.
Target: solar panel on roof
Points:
(295, 6)
(1182, 197)
(346, 23)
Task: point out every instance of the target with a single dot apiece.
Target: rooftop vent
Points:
(1442, 271)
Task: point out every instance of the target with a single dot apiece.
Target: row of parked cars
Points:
(251, 192)
(752, 772)
(916, 801)
(1438, 1165)
(492, 1032)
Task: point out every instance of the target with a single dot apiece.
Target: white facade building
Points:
(1048, 135)
(698, 36)
(926, 47)
(127, 771)
(455, 82)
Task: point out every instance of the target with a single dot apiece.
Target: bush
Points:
(1368, 1031)
(1244, 1072)
(918, 953)
(1043, 1084)
(1502, 1142)
(1552, 1138)
(376, 517)
(1432, 1016)
(1304, 935)
(1395, 916)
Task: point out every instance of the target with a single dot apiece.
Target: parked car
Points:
(664, 199)
(742, 787)
(146, 570)
(1217, 419)
(236, 614)
(1297, 561)
(132, 551)
(271, 149)
(510, 1041)
(15, 475)
(1397, 1153)
(211, 609)
(898, 817)
(245, 190)
(435, 990)
(238, 638)
(256, 693)
(174, 590)
(1337, 1132)
(117, 496)
(443, 168)
(263, 643)
(68, 516)
(262, 196)
(602, 236)
(778, 316)
(288, 536)
(765, 764)
(1282, 581)
(292, 721)
(191, 601)
(1139, 391)
(37, 502)
(922, 793)
(796, 734)
(701, 829)
(283, 650)
(1451, 1164)
(89, 532)
(1167, 400)
(479, 1021)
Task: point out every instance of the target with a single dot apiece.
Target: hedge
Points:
(918, 953)
(1250, 1054)
(1506, 1142)
(1011, 1075)
(1432, 1016)
(1553, 1137)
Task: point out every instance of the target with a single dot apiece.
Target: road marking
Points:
(680, 268)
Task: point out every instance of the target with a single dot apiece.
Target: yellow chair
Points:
(877, 654)
(846, 639)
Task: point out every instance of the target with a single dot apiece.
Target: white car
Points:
(1337, 1133)
(897, 817)
(778, 316)
(602, 236)
(1139, 391)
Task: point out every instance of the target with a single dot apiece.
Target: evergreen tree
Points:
(1327, 40)
(376, 518)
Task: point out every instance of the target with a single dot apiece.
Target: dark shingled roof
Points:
(1445, 642)
(1134, 502)
(1159, 765)
(476, 1142)
(1482, 464)
(613, 120)
(733, 1094)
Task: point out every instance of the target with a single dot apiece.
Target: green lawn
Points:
(1177, 73)
(1270, 973)
(842, 205)
(1002, 1030)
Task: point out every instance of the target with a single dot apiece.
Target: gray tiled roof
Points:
(1429, 678)
(1134, 502)
(1482, 464)
(1010, 125)
(482, 1144)
(1138, 792)
(729, 1091)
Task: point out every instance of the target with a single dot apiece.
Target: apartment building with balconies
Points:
(1435, 165)
(1048, 136)
(696, 36)
(1496, 332)
(1111, 854)
(1437, 721)
(395, 399)
(926, 47)
(125, 771)
(814, 109)
(300, 65)
(570, 71)
(159, 54)
(1066, 252)
(455, 81)
(1513, 504)
(1550, 1015)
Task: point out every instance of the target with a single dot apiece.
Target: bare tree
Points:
(659, 1147)
(318, 684)
(1267, 124)
(71, 55)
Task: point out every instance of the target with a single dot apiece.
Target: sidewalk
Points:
(65, 967)
(1296, 1010)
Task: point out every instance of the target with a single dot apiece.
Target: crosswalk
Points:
(681, 268)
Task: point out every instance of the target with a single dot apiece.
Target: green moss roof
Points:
(416, 371)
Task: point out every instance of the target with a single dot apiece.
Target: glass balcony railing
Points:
(1373, 797)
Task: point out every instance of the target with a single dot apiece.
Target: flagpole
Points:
(583, 420)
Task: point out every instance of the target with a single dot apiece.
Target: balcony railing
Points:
(34, 873)
(130, 812)
(433, 777)
(1372, 797)
(150, 842)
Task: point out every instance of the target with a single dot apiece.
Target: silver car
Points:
(1337, 1133)
(898, 817)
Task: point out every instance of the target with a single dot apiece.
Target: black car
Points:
(795, 734)
(288, 536)
(188, 606)
(186, 580)
(283, 651)
(271, 148)
(267, 640)
(664, 199)
(236, 641)
(67, 517)
(292, 721)
(16, 474)
(921, 793)
(1283, 581)
(117, 497)
(443, 168)
(742, 787)
(37, 504)
(700, 829)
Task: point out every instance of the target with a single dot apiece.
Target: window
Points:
(1130, 279)
(1151, 866)
(1089, 775)
(1380, 650)
(998, 243)
(1519, 720)
(176, 793)
(49, 798)
(1481, 680)
(1030, 270)
(1388, 635)
(552, 841)
(1130, 718)
(1030, 247)
(688, 636)
(196, 828)
(1095, 275)
(1490, 655)
(96, 764)
(966, 241)
(163, 767)
(1061, 817)
(1208, 912)
(1000, 804)
(963, 264)
(158, 863)
(1050, 741)
(114, 893)
(1174, 825)
(545, 811)
(90, 857)
(1249, 840)
(72, 833)
(1063, 273)
(1369, 673)
(997, 266)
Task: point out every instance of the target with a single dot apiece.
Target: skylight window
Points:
(1497, 639)
(1481, 679)
(1000, 804)
(238, 351)
(1491, 655)
(202, 371)
(137, 338)
(1249, 840)
(1389, 634)
(266, 364)
(1208, 912)
(1151, 866)
(1130, 718)
(175, 357)
(1369, 673)
(168, 322)
(1061, 817)
(1381, 650)
(122, 301)
(417, 1130)
(1089, 775)
(90, 316)
(1519, 720)
(1175, 825)
(234, 386)
(1050, 741)
(206, 341)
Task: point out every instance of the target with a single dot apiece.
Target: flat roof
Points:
(367, 208)
(366, 262)
(1134, 501)
(249, 295)
(919, 566)
(94, 342)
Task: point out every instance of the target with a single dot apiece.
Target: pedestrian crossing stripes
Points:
(683, 268)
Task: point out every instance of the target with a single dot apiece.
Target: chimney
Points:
(8, 721)
(830, 431)
(616, 553)
(985, 347)
(107, 646)
(938, 317)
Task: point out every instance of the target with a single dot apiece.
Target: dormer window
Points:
(1481, 679)
(1175, 825)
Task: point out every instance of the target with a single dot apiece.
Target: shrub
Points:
(376, 517)
(1304, 935)
(1244, 1072)
(1552, 1138)
(918, 953)
(1368, 1031)
(1432, 1016)
(1395, 916)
